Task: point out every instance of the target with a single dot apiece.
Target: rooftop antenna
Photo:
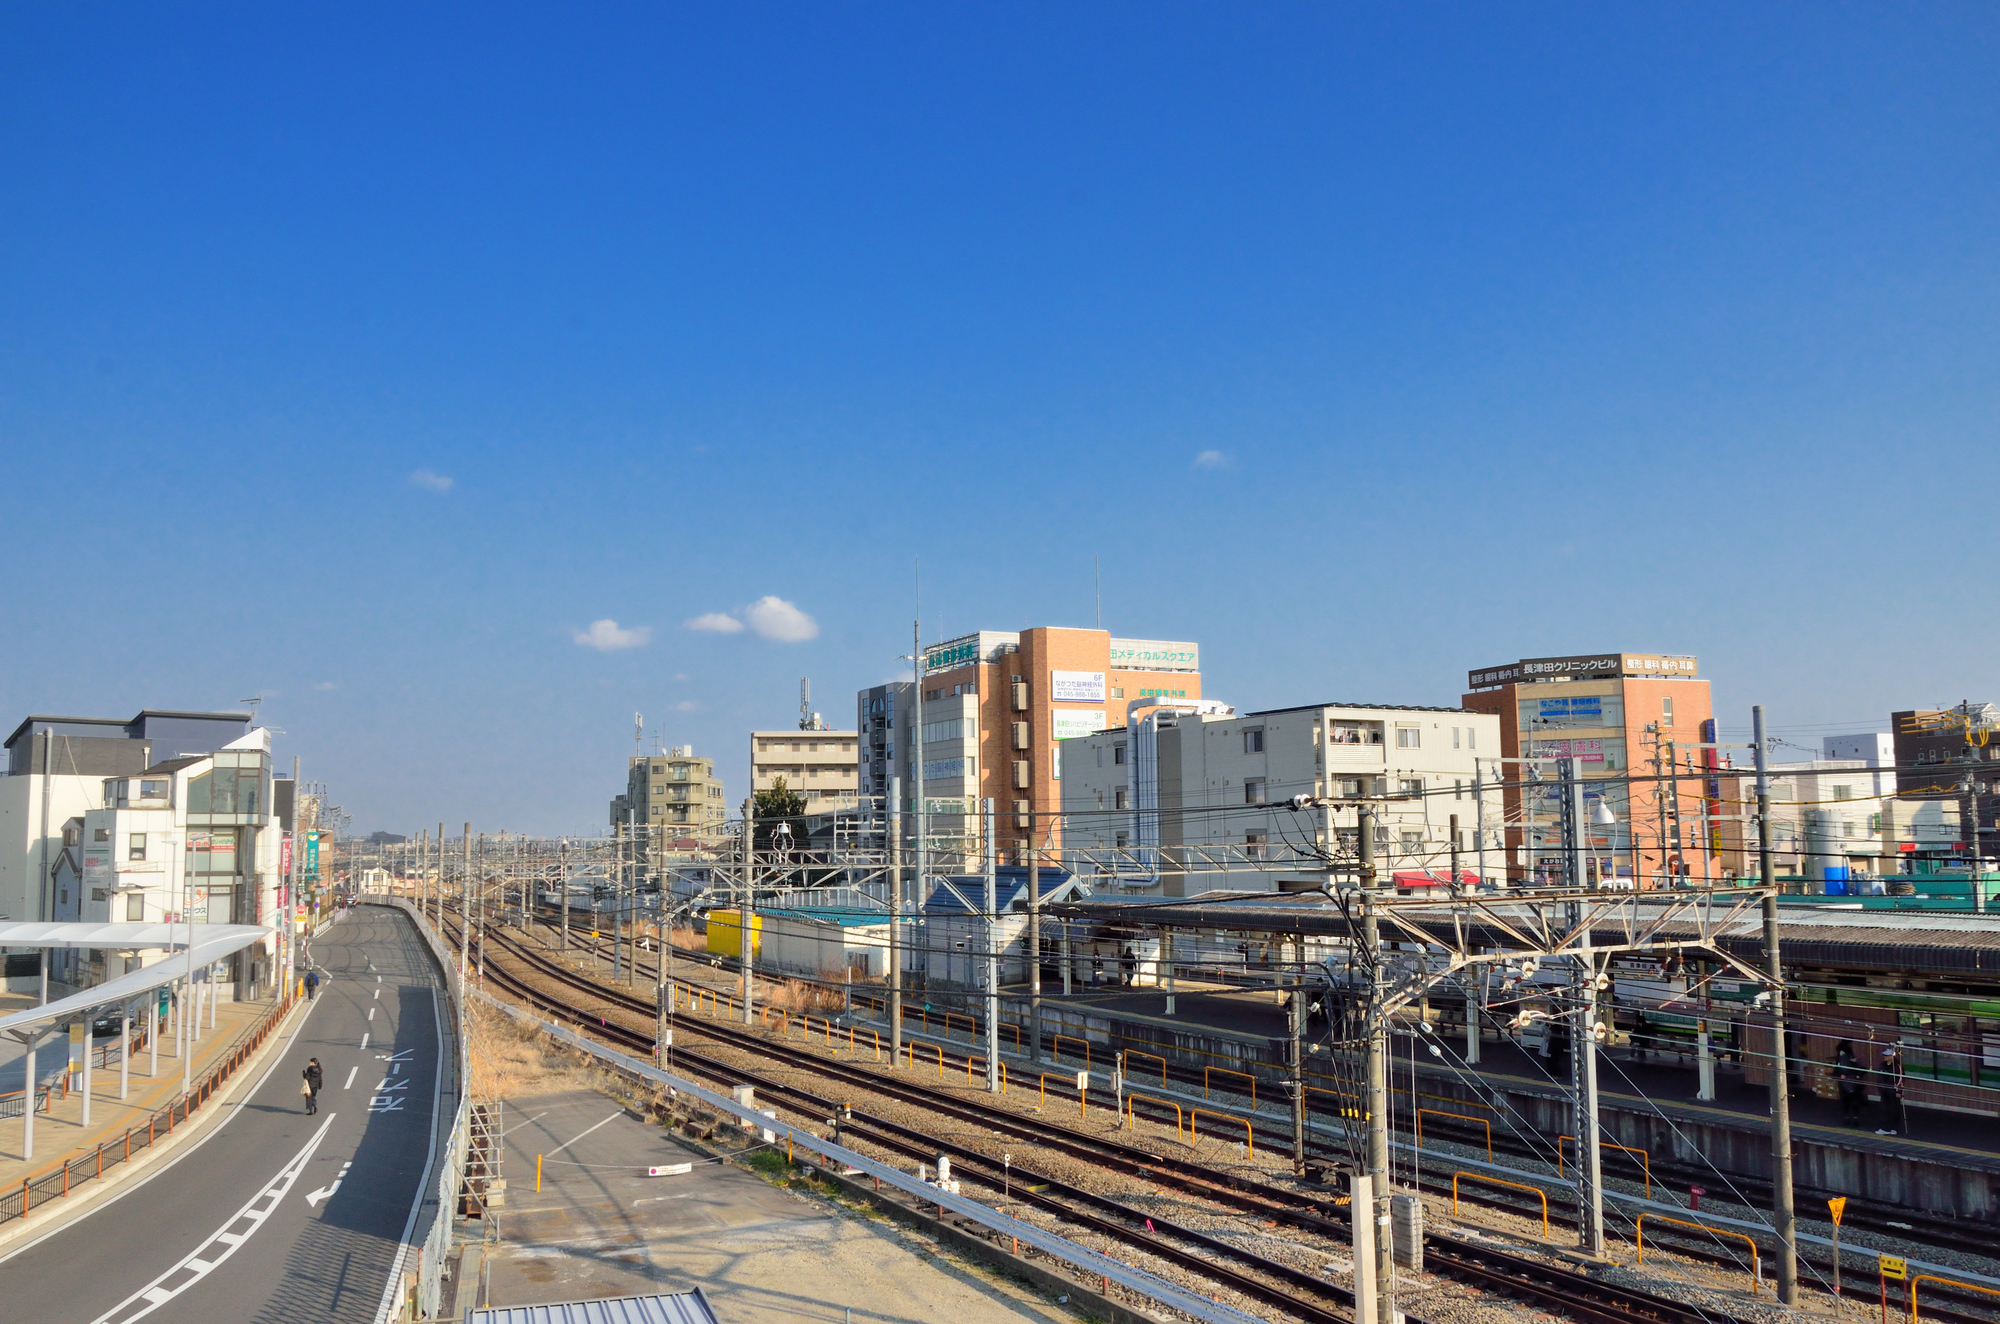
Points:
(638, 735)
(808, 719)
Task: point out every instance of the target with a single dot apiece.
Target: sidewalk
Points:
(60, 1134)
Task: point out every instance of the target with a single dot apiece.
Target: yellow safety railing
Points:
(1495, 1181)
(1645, 1160)
(1343, 1109)
(1460, 1117)
(1639, 1234)
(1085, 1042)
(1082, 1101)
(1180, 1118)
(1230, 1071)
(911, 1049)
(1249, 1137)
(971, 1058)
(1947, 1282)
(1133, 1052)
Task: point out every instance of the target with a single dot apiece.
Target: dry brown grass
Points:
(798, 995)
(511, 1061)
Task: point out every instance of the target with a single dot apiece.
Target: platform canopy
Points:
(115, 936)
(212, 942)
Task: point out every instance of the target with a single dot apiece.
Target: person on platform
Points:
(314, 1079)
(1895, 1119)
(1849, 1077)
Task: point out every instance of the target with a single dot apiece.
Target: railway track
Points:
(1575, 1295)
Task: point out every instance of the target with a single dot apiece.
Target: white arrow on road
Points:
(224, 1242)
(326, 1192)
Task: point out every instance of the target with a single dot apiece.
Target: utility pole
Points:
(482, 908)
(1471, 990)
(895, 858)
(1583, 1019)
(1781, 1105)
(1297, 1083)
(913, 740)
(747, 913)
(992, 908)
(465, 911)
(1034, 945)
(564, 869)
(438, 891)
(1376, 1030)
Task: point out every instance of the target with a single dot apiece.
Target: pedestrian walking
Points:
(1896, 1119)
(312, 984)
(314, 1078)
(1848, 1075)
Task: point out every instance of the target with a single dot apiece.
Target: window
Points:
(1413, 841)
(1253, 741)
(1117, 691)
(1122, 840)
(1454, 737)
(1667, 711)
(1409, 786)
(1253, 844)
(136, 847)
(1472, 737)
(1843, 792)
(1118, 754)
(680, 772)
(1118, 798)
(1253, 791)
(658, 810)
(152, 790)
(1349, 787)
(101, 834)
(1409, 737)
(1850, 828)
(1457, 789)
(659, 768)
(135, 907)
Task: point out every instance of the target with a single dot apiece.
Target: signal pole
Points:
(991, 905)
(895, 860)
(1583, 1013)
(1377, 1075)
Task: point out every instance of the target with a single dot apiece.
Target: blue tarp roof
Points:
(1010, 883)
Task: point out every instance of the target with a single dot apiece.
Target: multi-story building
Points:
(1181, 774)
(1833, 817)
(1941, 753)
(819, 766)
(194, 838)
(674, 797)
(1637, 722)
(56, 770)
(995, 706)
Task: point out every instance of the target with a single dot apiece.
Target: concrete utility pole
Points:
(1034, 946)
(1297, 1083)
(1583, 1022)
(1781, 1105)
(747, 913)
(992, 946)
(465, 911)
(438, 892)
(913, 740)
(895, 858)
(1376, 1029)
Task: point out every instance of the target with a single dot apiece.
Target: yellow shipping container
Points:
(725, 934)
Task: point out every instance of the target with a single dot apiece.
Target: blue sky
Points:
(365, 357)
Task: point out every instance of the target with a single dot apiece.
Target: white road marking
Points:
(326, 1192)
(350, 1076)
(364, 1038)
(378, 993)
(386, 1307)
(194, 1268)
(371, 1013)
(573, 1139)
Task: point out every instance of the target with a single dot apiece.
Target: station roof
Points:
(212, 942)
(1881, 941)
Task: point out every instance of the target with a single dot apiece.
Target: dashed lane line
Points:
(227, 1239)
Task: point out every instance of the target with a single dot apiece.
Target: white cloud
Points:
(687, 706)
(1211, 460)
(716, 622)
(430, 482)
(775, 618)
(678, 675)
(606, 636)
(325, 685)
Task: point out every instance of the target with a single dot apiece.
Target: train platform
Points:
(601, 1227)
(1637, 1079)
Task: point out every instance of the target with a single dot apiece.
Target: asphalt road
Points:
(277, 1216)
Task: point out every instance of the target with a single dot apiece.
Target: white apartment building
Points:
(193, 838)
(1197, 774)
(1838, 815)
(818, 765)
